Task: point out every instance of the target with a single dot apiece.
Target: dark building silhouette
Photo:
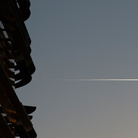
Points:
(16, 69)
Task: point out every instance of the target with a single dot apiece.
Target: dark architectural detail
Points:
(16, 69)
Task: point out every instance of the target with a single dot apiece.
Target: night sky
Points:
(83, 39)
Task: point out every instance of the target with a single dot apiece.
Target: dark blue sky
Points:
(83, 39)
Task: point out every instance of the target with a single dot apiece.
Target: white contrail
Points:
(128, 80)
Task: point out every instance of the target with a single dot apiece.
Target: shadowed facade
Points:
(16, 69)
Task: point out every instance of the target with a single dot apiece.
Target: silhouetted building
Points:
(16, 69)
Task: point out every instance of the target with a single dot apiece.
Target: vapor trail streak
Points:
(128, 80)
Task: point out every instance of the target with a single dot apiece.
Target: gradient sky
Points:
(83, 39)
